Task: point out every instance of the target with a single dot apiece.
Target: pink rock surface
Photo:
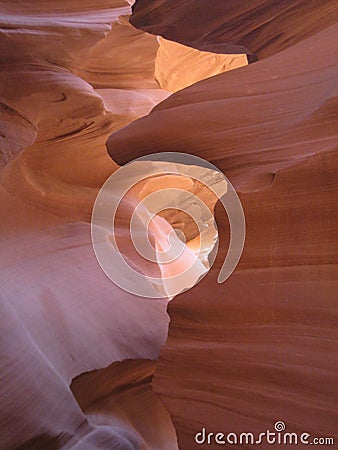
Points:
(78, 354)
(260, 348)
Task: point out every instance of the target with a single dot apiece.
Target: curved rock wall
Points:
(239, 356)
(259, 348)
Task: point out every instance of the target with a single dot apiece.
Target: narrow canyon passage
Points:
(86, 87)
(71, 75)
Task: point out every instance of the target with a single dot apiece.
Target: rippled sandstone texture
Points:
(239, 356)
(71, 73)
(261, 347)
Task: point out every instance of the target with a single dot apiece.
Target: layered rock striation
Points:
(78, 352)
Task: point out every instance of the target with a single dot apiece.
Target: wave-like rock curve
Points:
(78, 353)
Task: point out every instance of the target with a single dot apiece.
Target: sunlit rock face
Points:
(78, 353)
(67, 84)
(153, 227)
(178, 66)
(71, 74)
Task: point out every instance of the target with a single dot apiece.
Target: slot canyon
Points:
(86, 89)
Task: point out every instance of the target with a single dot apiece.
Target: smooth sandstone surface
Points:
(71, 74)
(259, 348)
(78, 354)
(259, 28)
